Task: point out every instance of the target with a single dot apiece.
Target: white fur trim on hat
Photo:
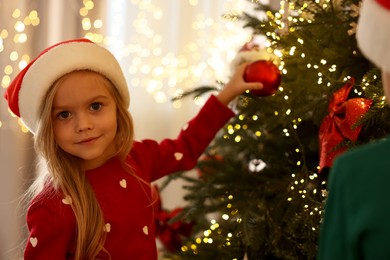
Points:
(251, 56)
(59, 61)
(373, 33)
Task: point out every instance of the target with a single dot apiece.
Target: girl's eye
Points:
(63, 115)
(96, 106)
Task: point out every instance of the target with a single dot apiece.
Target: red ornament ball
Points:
(266, 72)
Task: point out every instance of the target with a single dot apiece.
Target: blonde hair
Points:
(65, 173)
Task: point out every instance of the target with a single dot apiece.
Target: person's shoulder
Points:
(143, 150)
(49, 198)
(140, 146)
(372, 151)
(364, 161)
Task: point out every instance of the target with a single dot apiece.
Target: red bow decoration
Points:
(170, 234)
(339, 124)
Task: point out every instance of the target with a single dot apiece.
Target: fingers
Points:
(254, 85)
(241, 68)
(248, 85)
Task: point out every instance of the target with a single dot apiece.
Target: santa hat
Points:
(251, 52)
(26, 92)
(373, 32)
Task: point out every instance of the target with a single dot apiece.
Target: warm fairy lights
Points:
(152, 66)
(161, 72)
(202, 60)
(215, 228)
(11, 38)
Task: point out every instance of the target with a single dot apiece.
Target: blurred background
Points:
(165, 47)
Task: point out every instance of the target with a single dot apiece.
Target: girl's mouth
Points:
(87, 140)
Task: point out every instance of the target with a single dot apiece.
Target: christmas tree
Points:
(261, 185)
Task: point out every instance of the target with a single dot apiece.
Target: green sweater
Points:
(357, 212)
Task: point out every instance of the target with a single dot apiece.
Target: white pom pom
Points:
(250, 56)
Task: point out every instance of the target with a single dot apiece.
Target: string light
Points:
(172, 73)
(203, 59)
(10, 38)
(216, 229)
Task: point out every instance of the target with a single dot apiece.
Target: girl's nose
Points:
(84, 122)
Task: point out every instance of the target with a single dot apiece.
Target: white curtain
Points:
(164, 47)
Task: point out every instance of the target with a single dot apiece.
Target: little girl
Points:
(94, 199)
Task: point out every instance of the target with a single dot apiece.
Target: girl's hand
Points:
(236, 86)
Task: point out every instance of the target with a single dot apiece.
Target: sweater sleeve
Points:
(51, 232)
(171, 155)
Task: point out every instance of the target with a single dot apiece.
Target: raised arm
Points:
(236, 86)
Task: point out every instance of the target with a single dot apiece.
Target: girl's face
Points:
(84, 118)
